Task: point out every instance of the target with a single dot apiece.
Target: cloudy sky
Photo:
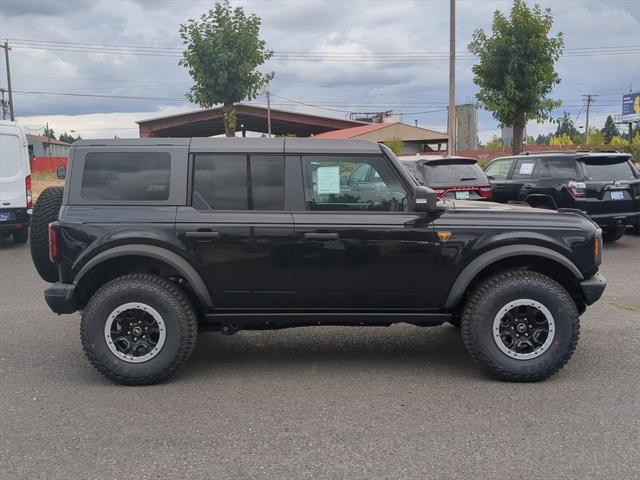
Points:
(96, 66)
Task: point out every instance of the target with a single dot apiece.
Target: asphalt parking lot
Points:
(326, 402)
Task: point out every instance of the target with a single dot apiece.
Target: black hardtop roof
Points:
(245, 145)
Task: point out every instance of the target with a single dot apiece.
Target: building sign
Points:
(631, 105)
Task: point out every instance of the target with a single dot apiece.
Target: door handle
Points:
(321, 236)
(497, 187)
(203, 235)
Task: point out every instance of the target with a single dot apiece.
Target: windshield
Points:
(606, 170)
(453, 174)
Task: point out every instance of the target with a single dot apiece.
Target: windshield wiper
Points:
(467, 179)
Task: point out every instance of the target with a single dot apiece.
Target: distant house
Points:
(414, 139)
(41, 146)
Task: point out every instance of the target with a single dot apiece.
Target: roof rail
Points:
(547, 151)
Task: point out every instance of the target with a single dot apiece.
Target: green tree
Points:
(494, 144)
(619, 141)
(542, 139)
(395, 144)
(516, 72)
(563, 139)
(595, 137)
(48, 132)
(610, 130)
(67, 137)
(222, 53)
(566, 126)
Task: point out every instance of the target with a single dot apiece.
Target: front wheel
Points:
(138, 329)
(520, 326)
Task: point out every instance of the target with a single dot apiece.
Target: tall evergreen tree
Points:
(610, 130)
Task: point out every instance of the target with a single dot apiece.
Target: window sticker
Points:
(526, 168)
(328, 180)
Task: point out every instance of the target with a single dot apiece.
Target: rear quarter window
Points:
(131, 176)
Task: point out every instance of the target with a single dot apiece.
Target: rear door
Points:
(612, 185)
(497, 173)
(524, 179)
(14, 168)
(237, 231)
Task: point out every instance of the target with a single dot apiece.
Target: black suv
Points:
(157, 239)
(604, 185)
(452, 178)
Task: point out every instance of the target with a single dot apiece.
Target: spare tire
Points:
(45, 211)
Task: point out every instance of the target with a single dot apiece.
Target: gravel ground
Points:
(327, 402)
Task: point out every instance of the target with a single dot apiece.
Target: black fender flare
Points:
(172, 259)
(480, 263)
(541, 199)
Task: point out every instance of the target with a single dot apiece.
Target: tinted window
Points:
(352, 183)
(560, 168)
(126, 176)
(607, 169)
(526, 169)
(238, 182)
(499, 169)
(437, 173)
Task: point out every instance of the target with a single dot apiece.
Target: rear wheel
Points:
(21, 236)
(45, 211)
(138, 329)
(520, 326)
(613, 234)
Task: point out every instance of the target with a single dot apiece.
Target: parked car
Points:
(154, 240)
(604, 185)
(457, 178)
(15, 182)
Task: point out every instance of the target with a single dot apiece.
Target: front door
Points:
(237, 231)
(357, 245)
(497, 173)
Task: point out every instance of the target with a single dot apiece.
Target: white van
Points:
(15, 182)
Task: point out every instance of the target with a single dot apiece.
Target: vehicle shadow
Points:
(399, 349)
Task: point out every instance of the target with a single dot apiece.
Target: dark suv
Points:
(157, 239)
(604, 185)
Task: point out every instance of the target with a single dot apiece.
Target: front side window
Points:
(499, 169)
(132, 176)
(352, 184)
(238, 182)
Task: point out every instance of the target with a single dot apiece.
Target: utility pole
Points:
(268, 94)
(451, 119)
(6, 57)
(590, 99)
(4, 104)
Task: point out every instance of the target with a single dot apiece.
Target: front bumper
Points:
(61, 297)
(593, 288)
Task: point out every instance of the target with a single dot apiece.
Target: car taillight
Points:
(439, 192)
(485, 192)
(577, 189)
(27, 184)
(53, 242)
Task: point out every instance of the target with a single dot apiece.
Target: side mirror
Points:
(344, 180)
(61, 172)
(425, 200)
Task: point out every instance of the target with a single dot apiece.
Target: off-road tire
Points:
(45, 211)
(21, 236)
(490, 296)
(613, 234)
(175, 308)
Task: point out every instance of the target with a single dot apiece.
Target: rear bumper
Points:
(61, 297)
(20, 218)
(616, 219)
(593, 288)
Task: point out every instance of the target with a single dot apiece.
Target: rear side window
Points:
(11, 157)
(437, 173)
(559, 168)
(499, 169)
(132, 176)
(526, 169)
(604, 169)
(238, 182)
